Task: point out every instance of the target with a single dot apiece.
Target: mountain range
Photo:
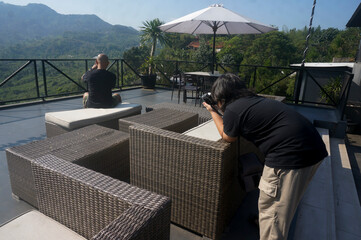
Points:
(35, 30)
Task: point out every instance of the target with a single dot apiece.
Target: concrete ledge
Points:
(347, 206)
(315, 217)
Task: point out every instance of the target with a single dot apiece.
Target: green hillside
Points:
(37, 32)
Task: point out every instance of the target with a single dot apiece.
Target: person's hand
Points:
(208, 107)
(95, 66)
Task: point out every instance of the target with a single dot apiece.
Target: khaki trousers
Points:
(281, 191)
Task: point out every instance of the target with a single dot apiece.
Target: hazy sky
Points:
(280, 13)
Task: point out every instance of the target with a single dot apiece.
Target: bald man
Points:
(100, 83)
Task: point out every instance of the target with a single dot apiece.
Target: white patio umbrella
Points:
(215, 20)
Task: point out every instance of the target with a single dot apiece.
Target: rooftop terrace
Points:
(330, 209)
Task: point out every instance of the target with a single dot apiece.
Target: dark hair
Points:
(228, 88)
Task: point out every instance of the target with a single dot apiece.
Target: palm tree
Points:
(151, 34)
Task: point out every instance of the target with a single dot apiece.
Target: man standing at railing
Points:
(292, 147)
(100, 83)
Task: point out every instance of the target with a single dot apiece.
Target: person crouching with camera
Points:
(292, 147)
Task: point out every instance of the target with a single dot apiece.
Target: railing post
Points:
(122, 72)
(298, 85)
(44, 78)
(86, 65)
(254, 76)
(117, 73)
(36, 79)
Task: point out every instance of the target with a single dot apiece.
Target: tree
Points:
(135, 56)
(319, 45)
(345, 44)
(234, 49)
(204, 53)
(151, 34)
(271, 49)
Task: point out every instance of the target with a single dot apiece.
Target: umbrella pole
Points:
(214, 50)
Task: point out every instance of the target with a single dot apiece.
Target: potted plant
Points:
(148, 76)
(151, 34)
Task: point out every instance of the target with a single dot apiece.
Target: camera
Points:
(208, 99)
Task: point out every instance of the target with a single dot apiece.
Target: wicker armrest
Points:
(95, 205)
(198, 175)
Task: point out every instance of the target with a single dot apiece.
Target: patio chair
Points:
(177, 78)
(198, 175)
(186, 84)
(92, 205)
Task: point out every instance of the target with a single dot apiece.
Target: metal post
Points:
(254, 77)
(36, 79)
(117, 73)
(299, 80)
(86, 65)
(122, 72)
(214, 49)
(44, 78)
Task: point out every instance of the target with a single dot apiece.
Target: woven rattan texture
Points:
(198, 175)
(203, 114)
(95, 147)
(93, 204)
(164, 118)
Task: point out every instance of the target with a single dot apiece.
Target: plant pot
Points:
(148, 81)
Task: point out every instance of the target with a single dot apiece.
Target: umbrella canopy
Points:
(215, 20)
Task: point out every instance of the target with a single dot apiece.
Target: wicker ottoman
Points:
(101, 149)
(65, 121)
(168, 119)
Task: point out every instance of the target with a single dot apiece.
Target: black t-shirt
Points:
(100, 83)
(287, 139)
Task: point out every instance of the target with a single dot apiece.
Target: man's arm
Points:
(218, 120)
(95, 66)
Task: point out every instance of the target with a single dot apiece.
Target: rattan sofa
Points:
(199, 176)
(97, 206)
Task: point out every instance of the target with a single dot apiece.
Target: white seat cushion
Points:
(207, 130)
(34, 225)
(78, 118)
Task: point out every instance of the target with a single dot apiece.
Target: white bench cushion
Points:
(207, 130)
(78, 118)
(34, 225)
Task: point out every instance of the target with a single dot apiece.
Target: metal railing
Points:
(51, 78)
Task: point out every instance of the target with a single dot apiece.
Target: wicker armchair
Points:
(97, 206)
(199, 176)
